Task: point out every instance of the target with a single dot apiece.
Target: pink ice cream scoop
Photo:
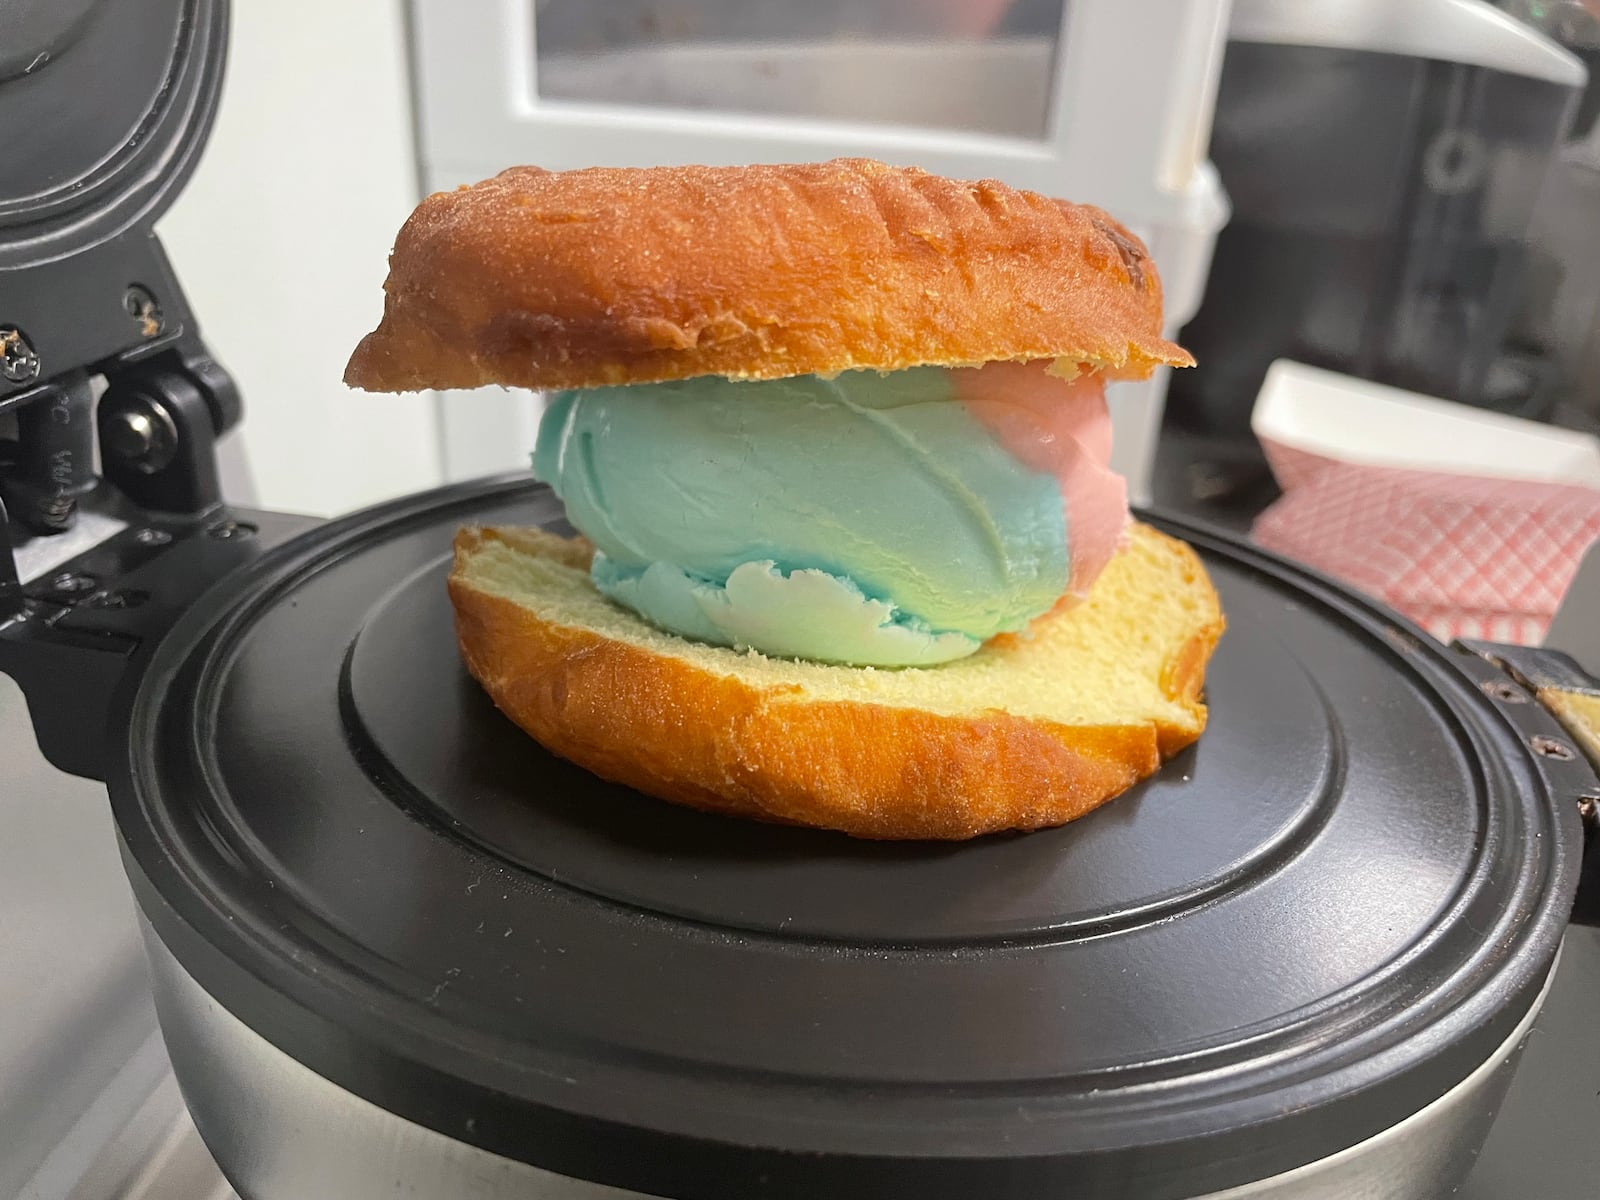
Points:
(1060, 427)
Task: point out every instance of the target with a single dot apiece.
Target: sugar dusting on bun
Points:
(545, 279)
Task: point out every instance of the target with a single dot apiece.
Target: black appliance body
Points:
(395, 945)
(1383, 193)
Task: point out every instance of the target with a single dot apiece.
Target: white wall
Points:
(281, 241)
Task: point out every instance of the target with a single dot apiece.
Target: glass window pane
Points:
(974, 65)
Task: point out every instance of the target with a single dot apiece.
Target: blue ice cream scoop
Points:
(867, 519)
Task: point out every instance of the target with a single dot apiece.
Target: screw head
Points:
(1552, 748)
(134, 433)
(118, 600)
(1506, 693)
(142, 307)
(18, 361)
(140, 435)
(232, 529)
(152, 537)
(69, 583)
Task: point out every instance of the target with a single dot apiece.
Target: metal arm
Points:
(94, 565)
(1561, 687)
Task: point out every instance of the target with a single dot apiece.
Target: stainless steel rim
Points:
(280, 1131)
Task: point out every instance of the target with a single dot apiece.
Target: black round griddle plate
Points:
(1320, 917)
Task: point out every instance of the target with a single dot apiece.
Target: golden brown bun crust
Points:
(670, 729)
(546, 279)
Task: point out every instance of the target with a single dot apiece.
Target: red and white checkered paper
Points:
(1462, 555)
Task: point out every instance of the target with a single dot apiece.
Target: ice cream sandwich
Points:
(836, 440)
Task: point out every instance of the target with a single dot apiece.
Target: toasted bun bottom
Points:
(1032, 731)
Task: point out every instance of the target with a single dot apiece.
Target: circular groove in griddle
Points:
(481, 778)
(582, 1003)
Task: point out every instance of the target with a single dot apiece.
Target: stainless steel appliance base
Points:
(282, 1132)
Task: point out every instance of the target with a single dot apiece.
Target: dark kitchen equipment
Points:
(1560, 315)
(397, 946)
(1383, 162)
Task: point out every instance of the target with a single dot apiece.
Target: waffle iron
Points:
(395, 945)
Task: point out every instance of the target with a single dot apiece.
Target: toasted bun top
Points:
(569, 279)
